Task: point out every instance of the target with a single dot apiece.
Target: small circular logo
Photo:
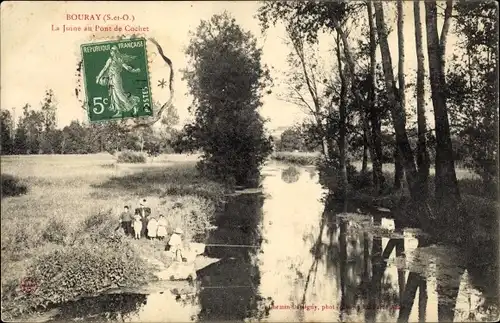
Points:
(28, 285)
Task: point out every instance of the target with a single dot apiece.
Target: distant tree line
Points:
(301, 138)
(36, 132)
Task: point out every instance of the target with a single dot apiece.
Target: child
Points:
(152, 227)
(137, 225)
(175, 244)
(126, 220)
(162, 227)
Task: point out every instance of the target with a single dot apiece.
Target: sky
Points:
(35, 58)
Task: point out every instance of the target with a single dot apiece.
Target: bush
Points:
(329, 173)
(193, 215)
(99, 228)
(19, 237)
(303, 159)
(11, 186)
(133, 157)
(64, 275)
(361, 180)
(55, 231)
(97, 259)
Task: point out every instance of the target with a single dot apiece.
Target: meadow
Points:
(56, 208)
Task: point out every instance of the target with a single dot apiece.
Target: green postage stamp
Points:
(116, 79)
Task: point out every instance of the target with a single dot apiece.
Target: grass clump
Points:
(131, 157)
(55, 231)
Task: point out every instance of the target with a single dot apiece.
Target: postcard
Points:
(275, 161)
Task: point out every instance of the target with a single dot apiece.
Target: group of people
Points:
(142, 224)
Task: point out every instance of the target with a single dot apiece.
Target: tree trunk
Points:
(447, 193)
(342, 123)
(364, 164)
(401, 56)
(324, 145)
(397, 113)
(398, 163)
(422, 299)
(375, 117)
(352, 70)
(298, 45)
(423, 161)
(398, 168)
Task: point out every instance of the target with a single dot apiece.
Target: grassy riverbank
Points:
(296, 158)
(60, 218)
(478, 234)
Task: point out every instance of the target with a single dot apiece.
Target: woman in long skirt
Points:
(162, 227)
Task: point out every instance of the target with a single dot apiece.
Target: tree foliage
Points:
(226, 79)
(472, 86)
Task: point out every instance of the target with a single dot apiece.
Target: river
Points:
(301, 259)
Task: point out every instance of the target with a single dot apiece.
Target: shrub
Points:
(55, 231)
(303, 159)
(11, 186)
(193, 215)
(98, 258)
(360, 180)
(19, 237)
(100, 228)
(64, 275)
(329, 173)
(128, 156)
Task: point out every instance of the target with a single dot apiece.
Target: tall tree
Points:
(7, 143)
(48, 140)
(342, 142)
(31, 124)
(306, 73)
(375, 114)
(398, 160)
(315, 16)
(226, 78)
(472, 84)
(446, 185)
(74, 139)
(397, 113)
(423, 161)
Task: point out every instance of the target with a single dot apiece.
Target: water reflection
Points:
(354, 273)
(117, 307)
(306, 259)
(290, 175)
(229, 287)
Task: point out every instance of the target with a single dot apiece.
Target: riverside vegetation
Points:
(59, 215)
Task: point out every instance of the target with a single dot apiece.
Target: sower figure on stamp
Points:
(144, 213)
(110, 76)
